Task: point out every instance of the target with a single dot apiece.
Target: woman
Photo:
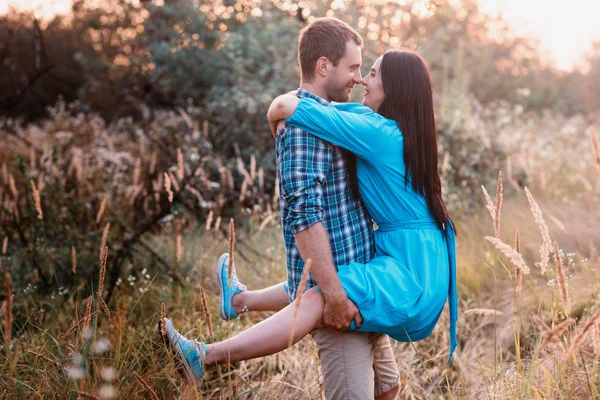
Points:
(402, 291)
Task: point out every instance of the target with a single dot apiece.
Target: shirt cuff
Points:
(300, 224)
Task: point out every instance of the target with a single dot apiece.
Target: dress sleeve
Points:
(355, 108)
(361, 134)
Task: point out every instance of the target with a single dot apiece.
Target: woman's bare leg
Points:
(271, 335)
(273, 298)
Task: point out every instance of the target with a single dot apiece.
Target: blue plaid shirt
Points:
(314, 186)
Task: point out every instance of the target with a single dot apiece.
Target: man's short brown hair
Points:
(324, 37)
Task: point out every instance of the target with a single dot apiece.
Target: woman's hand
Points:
(281, 108)
(276, 127)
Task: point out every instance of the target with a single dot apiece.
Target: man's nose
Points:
(357, 77)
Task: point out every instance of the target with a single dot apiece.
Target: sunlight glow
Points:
(41, 8)
(565, 30)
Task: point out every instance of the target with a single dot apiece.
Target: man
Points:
(322, 221)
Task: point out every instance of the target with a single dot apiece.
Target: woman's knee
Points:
(314, 296)
(313, 299)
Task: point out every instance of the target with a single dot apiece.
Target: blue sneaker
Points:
(191, 352)
(227, 292)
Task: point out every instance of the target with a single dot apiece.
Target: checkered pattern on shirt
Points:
(314, 186)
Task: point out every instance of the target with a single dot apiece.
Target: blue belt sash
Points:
(425, 223)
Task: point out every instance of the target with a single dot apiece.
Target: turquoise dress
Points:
(402, 291)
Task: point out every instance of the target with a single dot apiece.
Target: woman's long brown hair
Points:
(409, 101)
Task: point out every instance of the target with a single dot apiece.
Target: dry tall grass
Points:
(536, 362)
(526, 336)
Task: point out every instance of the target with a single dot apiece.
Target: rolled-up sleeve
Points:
(304, 163)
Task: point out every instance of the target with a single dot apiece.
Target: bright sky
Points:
(42, 7)
(566, 28)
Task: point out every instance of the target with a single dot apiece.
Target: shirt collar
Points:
(305, 93)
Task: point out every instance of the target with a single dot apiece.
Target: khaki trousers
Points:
(355, 365)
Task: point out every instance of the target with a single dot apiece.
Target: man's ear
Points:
(323, 66)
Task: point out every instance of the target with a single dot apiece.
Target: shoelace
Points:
(235, 283)
(199, 349)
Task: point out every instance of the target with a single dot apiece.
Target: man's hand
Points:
(338, 314)
(339, 310)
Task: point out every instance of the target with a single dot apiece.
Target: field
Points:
(77, 193)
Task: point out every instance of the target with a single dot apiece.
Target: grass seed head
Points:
(104, 307)
(73, 260)
(253, 167)
(174, 182)
(41, 184)
(209, 220)
(484, 311)
(8, 309)
(498, 208)
(180, 168)
(551, 336)
(514, 257)
(38, 201)
(168, 187)
(13, 187)
(102, 271)
(101, 210)
(546, 246)
(178, 248)
(195, 192)
(137, 172)
(301, 289)
(85, 395)
(104, 238)
(207, 316)
(596, 339)
(231, 249)
(243, 190)
(580, 337)
(445, 162)
(242, 170)
(73, 328)
(205, 128)
(88, 313)
(151, 392)
(489, 203)
(560, 278)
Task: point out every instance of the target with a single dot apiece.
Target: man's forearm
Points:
(313, 244)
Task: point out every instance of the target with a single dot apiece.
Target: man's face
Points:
(341, 81)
